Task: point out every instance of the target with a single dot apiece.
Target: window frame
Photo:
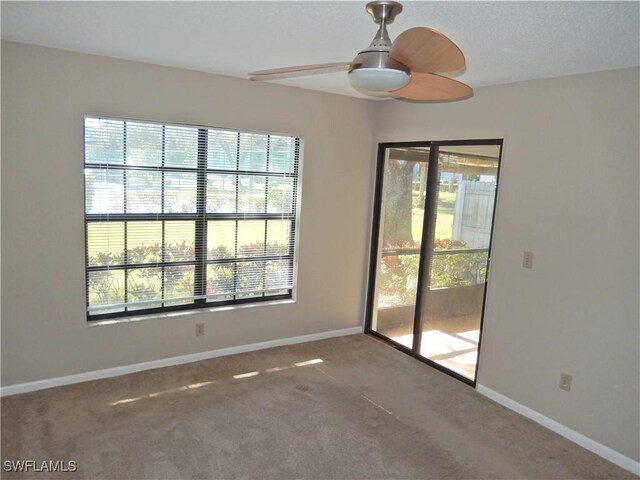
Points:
(201, 219)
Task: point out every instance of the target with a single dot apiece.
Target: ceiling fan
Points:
(408, 68)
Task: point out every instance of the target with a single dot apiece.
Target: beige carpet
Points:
(344, 408)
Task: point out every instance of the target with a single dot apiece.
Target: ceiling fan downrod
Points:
(383, 13)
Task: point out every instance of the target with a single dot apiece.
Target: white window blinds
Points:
(181, 216)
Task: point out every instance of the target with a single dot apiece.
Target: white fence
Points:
(474, 213)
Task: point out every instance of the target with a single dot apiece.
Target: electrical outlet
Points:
(199, 329)
(527, 260)
(565, 381)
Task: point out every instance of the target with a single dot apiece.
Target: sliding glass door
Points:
(430, 253)
(401, 220)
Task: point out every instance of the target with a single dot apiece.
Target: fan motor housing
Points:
(377, 59)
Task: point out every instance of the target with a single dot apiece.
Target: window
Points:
(180, 216)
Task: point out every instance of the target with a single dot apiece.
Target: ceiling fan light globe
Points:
(378, 79)
(371, 93)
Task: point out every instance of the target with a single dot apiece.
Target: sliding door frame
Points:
(426, 245)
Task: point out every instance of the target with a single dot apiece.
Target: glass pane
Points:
(280, 195)
(251, 238)
(251, 194)
(144, 242)
(400, 236)
(282, 152)
(104, 191)
(221, 281)
(144, 192)
(273, 293)
(253, 151)
(250, 278)
(458, 269)
(278, 237)
(453, 298)
(398, 280)
(221, 239)
(144, 144)
(179, 237)
(178, 281)
(404, 195)
(144, 284)
(222, 150)
(106, 287)
(242, 295)
(221, 193)
(105, 243)
(181, 146)
(142, 306)
(103, 141)
(180, 192)
(465, 200)
(278, 274)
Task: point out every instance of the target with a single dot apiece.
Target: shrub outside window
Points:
(180, 217)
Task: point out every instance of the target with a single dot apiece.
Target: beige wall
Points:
(569, 193)
(44, 95)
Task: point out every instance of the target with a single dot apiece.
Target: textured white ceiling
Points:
(503, 41)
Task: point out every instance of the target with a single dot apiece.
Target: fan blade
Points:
(431, 87)
(300, 70)
(425, 50)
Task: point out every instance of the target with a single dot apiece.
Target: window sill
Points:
(183, 313)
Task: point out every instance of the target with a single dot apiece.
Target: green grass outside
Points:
(108, 238)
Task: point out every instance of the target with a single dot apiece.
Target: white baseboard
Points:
(585, 442)
(168, 362)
